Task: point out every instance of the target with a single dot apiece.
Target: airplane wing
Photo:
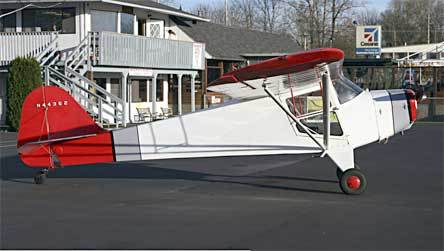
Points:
(280, 74)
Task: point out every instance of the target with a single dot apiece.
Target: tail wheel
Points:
(40, 177)
(353, 181)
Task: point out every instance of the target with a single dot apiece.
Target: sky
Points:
(189, 4)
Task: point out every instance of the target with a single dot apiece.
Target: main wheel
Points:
(40, 177)
(339, 173)
(353, 181)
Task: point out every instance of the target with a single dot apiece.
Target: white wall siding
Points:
(21, 44)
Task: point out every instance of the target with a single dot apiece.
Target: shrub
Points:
(23, 76)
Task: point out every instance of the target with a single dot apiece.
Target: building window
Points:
(116, 88)
(102, 83)
(214, 70)
(55, 19)
(103, 21)
(139, 90)
(126, 23)
(7, 23)
(213, 74)
(159, 90)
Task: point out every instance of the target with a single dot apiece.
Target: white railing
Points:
(23, 44)
(116, 49)
(102, 105)
(424, 60)
(79, 56)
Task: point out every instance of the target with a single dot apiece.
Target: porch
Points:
(148, 69)
(109, 49)
(180, 91)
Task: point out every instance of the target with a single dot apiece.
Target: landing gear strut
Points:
(41, 176)
(352, 181)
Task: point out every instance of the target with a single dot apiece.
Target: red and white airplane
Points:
(295, 104)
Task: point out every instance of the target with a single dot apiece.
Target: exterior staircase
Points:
(68, 72)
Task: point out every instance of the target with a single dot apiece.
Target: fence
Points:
(21, 44)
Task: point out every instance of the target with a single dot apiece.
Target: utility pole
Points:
(305, 41)
(226, 13)
(428, 28)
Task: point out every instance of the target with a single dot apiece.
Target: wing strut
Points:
(326, 83)
(243, 82)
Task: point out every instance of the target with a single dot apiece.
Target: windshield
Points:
(344, 87)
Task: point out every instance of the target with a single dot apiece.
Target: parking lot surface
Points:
(264, 202)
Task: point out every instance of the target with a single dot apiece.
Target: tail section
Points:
(56, 131)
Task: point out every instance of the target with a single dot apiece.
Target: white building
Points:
(133, 42)
(136, 51)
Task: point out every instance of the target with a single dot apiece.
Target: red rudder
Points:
(55, 129)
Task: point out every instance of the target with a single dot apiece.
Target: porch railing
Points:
(22, 44)
(114, 49)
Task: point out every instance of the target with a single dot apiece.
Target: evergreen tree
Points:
(23, 77)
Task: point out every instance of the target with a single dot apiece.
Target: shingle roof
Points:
(231, 43)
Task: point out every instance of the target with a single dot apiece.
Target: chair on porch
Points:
(166, 112)
(144, 115)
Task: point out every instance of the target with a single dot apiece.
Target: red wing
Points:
(283, 65)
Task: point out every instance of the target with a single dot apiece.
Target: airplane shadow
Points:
(14, 170)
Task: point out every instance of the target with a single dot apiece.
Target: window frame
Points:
(62, 11)
(122, 14)
(115, 16)
(118, 84)
(312, 114)
(140, 98)
(13, 18)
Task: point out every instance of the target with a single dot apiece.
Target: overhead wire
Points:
(29, 5)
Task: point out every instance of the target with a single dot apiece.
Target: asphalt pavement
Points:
(265, 202)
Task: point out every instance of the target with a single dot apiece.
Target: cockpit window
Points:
(345, 88)
(308, 108)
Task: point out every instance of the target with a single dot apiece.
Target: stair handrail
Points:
(53, 45)
(431, 48)
(77, 49)
(96, 86)
(101, 100)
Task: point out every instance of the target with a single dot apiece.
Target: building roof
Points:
(142, 4)
(230, 43)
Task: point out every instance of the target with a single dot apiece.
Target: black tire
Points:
(353, 182)
(40, 178)
(339, 173)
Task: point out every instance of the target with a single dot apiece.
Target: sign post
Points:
(368, 40)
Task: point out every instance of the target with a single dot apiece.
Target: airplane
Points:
(295, 104)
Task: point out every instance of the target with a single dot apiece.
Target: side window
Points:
(309, 109)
